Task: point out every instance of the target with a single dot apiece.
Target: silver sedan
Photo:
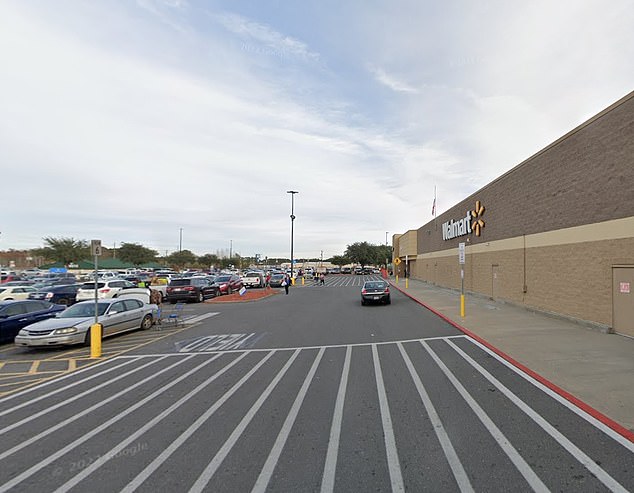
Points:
(72, 326)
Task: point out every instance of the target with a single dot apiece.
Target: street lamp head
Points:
(292, 217)
(291, 191)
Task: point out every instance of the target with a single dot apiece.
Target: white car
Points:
(15, 292)
(105, 289)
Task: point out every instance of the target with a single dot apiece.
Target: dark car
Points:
(191, 289)
(228, 283)
(63, 294)
(276, 280)
(16, 314)
(375, 292)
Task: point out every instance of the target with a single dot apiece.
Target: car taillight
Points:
(189, 288)
(387, 290)
(363, 291)
(104, 290)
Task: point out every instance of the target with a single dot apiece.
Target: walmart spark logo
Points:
(477, 223)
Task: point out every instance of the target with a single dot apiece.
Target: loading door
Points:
(623, 299)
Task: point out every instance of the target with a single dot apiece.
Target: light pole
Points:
(386, 250)
(292, 192)
(180, 241)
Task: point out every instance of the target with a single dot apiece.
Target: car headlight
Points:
(67, 330)
(23, 332)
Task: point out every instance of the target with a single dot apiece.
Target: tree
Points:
(184, 258)
(208, 260)
(340, 260)
(136, 254)
(362, 253)
(64, 250)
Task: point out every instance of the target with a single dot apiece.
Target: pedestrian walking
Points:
(286, 282)
(322, 279)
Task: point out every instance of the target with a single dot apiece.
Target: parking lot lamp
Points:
(292, 192)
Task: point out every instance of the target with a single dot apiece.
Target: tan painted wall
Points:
(573, 279)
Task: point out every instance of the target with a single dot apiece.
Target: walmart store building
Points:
(555, 233)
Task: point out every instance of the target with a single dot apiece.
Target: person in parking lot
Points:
(286, 282)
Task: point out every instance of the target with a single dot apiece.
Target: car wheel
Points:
(146, 323)
(63, 301)
(388, 301)
(201, 297)
(362, 302)
(229, 291)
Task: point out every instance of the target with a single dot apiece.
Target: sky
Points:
(183, 123)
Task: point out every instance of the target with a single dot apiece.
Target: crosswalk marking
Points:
(276, 368)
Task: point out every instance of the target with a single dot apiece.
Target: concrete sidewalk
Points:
(596, 368)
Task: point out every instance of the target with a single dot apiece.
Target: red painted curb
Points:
(621, 430)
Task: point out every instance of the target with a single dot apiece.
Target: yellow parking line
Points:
(34, 366)
(2, 363)
(72, 364)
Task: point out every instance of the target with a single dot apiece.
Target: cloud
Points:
(391, 81)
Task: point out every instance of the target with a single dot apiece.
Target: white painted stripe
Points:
(69, 386)
(271, 461)
(562, 400)
(360, 344)
(64, 377)
(452, 458)
(330, 466)
(388, 431)
(182, 438)
(572, 449)
(80, 414)
(60, 453)
(150, 424)
(522, 466)
(220, 456)
(52, 408)
(200, 318)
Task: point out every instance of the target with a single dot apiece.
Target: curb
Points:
(610, 423)
(242, 299)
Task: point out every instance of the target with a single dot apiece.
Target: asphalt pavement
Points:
(594, 370)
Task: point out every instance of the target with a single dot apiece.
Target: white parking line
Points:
(522, 466)
(220, 456)
(391, 450)
(572, 449)
(330, 466)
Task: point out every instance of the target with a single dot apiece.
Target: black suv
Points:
(191, 289)
(64, 294)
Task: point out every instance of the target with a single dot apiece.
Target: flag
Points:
(433, 208)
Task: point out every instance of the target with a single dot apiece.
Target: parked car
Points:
(72, 326)
(375, 292)
(228, 283)
(191, 289)
(276, 280)
(105, 289)
(16, 314)
(253, 279)
(63, 294)
(15, 292)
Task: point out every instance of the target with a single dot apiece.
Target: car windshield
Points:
(84, 310)
(223, 278)
(180, 282)
(374, 285)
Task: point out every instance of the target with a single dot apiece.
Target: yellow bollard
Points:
(95, 340)
(462, 305)
(292, 281)
(396, 278)
(406, 282)
(302, 280)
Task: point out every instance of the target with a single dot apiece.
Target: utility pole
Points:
(180, 242)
